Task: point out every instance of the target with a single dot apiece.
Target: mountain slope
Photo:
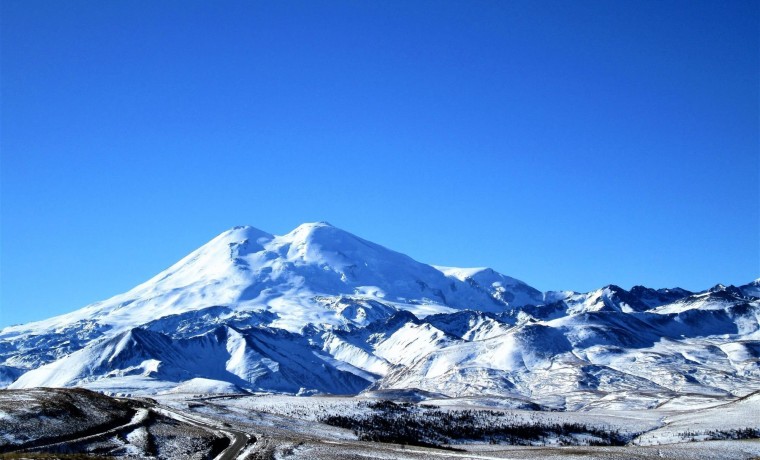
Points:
(258, 360)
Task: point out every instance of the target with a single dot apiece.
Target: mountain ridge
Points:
(320, 310)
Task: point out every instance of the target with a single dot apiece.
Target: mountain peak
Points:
(320, 242)
(241, 233)
(311, 226)
(308, 229)
(321, 223)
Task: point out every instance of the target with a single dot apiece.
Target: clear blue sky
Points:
(568, 144)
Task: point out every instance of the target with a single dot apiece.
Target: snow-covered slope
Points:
(751, 289)
(319, 310)
(260, 359)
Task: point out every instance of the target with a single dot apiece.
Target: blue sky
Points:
(568, 144)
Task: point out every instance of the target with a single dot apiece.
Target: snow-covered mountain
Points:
(319, 310)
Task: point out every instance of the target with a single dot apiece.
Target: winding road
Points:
(238, 439)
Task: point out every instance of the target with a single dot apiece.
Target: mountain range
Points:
(321, 311)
